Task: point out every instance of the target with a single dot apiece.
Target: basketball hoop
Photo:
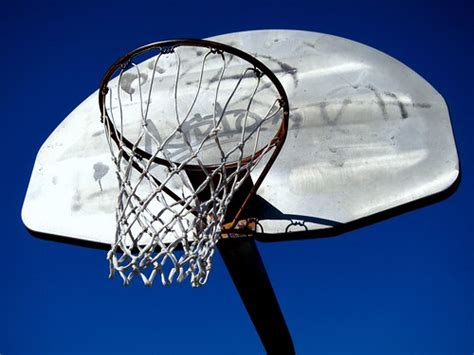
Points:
(223, 118)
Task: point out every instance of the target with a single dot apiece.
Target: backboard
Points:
(366, 135)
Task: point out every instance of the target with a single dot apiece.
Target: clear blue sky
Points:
(402, 286)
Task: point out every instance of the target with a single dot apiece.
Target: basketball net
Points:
(193, 127)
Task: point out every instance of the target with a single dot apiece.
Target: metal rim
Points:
(164, 46)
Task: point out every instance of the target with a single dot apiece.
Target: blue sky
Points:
(401, 286)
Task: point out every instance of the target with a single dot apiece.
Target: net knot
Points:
(214, 131)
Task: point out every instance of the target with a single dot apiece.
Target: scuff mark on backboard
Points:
(100, 170)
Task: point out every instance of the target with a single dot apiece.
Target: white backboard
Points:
(366, 135)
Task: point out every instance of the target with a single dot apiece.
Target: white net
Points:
(186, 128)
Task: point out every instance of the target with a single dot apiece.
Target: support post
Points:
(247, 270)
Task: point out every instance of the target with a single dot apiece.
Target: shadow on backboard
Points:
(335, 228)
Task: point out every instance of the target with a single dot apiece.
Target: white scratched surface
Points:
(366, 134)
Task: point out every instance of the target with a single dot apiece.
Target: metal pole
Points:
(248, 272)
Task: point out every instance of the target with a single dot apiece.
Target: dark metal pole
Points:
(245, 266)
(248, 272)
